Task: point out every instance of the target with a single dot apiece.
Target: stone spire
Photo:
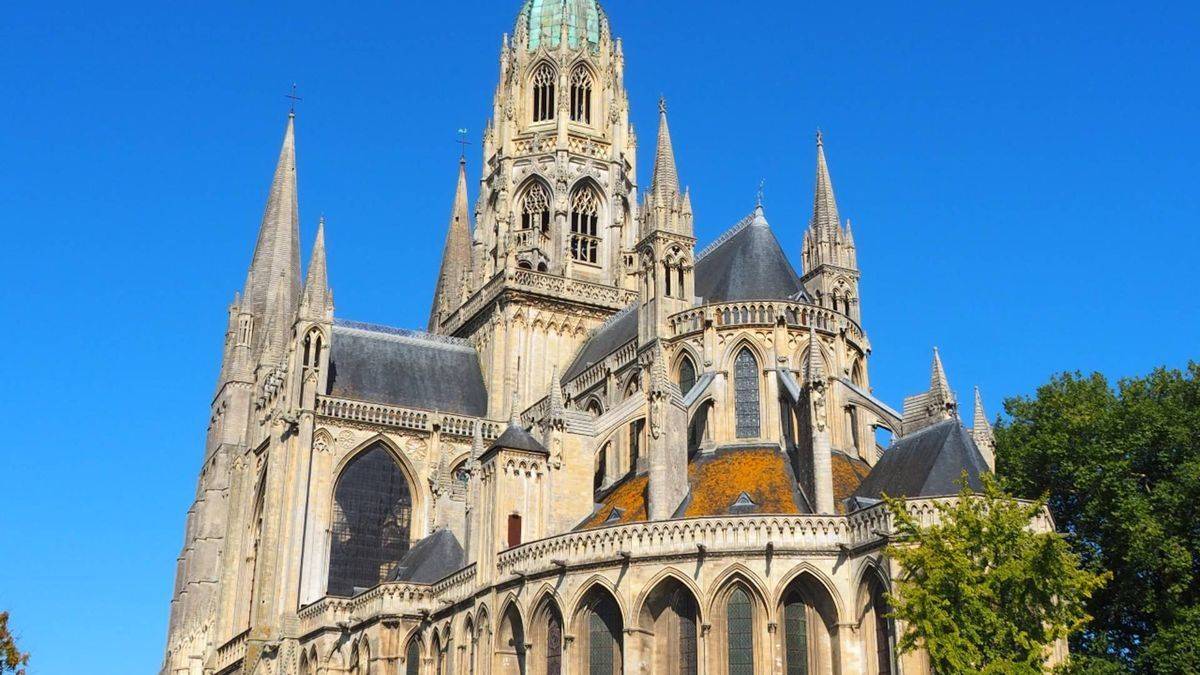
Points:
(273, 281)
(665, 183)
(934, 406)
(317, 301)
(825, 222)
(981, 432)
(456, 256)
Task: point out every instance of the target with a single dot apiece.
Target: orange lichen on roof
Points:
(629, 497)
(762, 473)
(848, 473)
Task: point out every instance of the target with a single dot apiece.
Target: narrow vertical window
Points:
(585, 226)
(687, 376)
(683, 609)
(543, 93)
(554, 644)
(884, 636)
(581, 96)
(412, 658)
(667, 279)
(795, 622)
(514, 530)
(601, 468)
(739, 618)
(535, 209)
(746, 395)
(604, 630)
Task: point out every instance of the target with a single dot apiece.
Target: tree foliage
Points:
(981, 590)
(12, 659)
(1121, 468)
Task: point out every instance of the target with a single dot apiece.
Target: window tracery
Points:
(585, 226)
(687, 375)
(581, 96)
(739, 633)
(746, 394)
(535, 209)
(372, 514)
(543, 93)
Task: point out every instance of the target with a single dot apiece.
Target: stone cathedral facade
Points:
(611, 451)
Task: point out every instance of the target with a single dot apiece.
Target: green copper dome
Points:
(544, 20)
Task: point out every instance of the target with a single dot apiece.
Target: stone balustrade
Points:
(231, 652)
(542, 284)
(763, 313)
(405, 418)
(387, 599)
(530, 239)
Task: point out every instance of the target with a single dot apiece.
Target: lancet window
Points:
(795, 638)
(585, 226)
(604, 631)
(746, 394)
(739, 635)
(543, 93)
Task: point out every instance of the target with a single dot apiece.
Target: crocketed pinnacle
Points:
(816, 364)
(317, 302)
(273, 282)
(456, 256)
(939, 384)
(980, 424)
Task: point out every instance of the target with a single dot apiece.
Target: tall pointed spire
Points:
(982, 434)
(825, 222)
(938, 383)
(666, 177)
(456, 256)
(317, 302)
(273, 281)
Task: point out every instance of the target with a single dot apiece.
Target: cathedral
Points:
(610, 451)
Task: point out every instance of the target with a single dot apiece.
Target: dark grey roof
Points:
(405, 368)
(610, 337)
(747, 263)
(929, 463)
(516, 438)
(430, 560)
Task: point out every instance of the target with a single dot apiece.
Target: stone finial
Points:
(317, 301)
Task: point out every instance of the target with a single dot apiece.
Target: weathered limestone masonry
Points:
(609, 453)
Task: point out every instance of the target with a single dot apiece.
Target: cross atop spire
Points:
(294, 98)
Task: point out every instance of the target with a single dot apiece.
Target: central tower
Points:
(552, 251)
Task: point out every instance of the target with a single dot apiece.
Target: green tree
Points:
(1121, 468)
(12, 659)
(981, 591)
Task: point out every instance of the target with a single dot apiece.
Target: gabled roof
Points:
(406, 368)
(747, 263)
(431, 559)
(929, 463)
(608, 338)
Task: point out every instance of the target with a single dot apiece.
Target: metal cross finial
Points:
(762, 188)
(462, 140)
(294, 98)
(662, 104)
(820, 137)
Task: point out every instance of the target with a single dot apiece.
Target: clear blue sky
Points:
(1022, 177)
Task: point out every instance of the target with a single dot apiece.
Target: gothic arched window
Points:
(412, 658)
(795, 634)
(554, 640)
(543, 93)
(601, 468)
(687, 376)
(585, 226)
(372, 513)
(581, 96)
(683, 630)
(535, 209)
(739, 633)
(604, 637)
(884, 629)
(746, 395)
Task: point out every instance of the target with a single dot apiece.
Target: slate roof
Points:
(747, 263)
(929, 463)
(431, 559)
(516, 438)
(608, 338)
(407, 369)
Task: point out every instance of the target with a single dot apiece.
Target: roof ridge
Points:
(403, 334)
(728, 234)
